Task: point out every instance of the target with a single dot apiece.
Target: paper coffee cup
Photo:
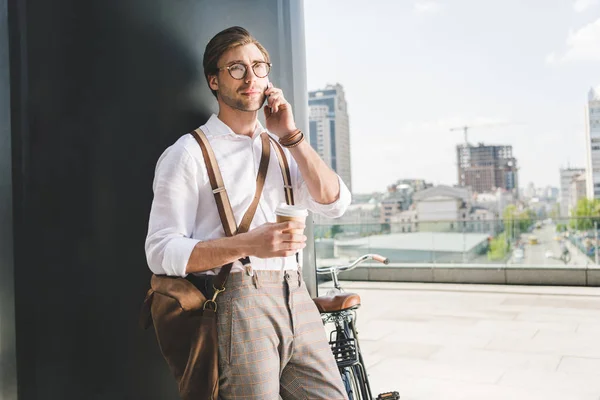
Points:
(286, 213)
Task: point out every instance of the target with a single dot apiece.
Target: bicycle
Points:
(339, 308)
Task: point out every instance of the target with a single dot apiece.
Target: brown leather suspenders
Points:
(220, 193)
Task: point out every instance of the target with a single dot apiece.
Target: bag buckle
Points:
(213, 301)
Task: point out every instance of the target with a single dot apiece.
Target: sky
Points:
(517, 71)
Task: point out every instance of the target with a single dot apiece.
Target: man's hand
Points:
(278, 113)
(272, 240)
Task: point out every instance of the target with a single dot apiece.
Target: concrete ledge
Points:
(395, 274)
(469, 275)
(477, 274)
(546, 277)
(593, 277)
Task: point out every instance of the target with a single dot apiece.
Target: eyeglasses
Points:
(239, 71)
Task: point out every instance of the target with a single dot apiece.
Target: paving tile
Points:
(589, 327)
(584, 384)
(507, 359)
(577, 365)
(437, 370)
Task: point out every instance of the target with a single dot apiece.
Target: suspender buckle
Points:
(219, 190)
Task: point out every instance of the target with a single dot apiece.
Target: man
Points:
(271, 339)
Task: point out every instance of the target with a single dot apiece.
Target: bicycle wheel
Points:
(362, 382)
(360, 367)
(352, 367)
(350, 384)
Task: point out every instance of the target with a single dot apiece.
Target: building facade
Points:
(566, 177)
(330, 129)
(577, 191)
(487, 168)
(592, 143)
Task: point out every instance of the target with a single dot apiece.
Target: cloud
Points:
(582, 5)
(430, 7)
(582, 45)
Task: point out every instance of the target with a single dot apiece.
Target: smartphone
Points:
(267, 97)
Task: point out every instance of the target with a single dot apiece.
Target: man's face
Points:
(247, 94)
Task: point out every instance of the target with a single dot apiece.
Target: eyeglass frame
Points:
(227, 67)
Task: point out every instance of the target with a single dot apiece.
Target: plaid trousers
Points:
(272, 344)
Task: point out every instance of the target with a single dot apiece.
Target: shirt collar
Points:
(215, 127)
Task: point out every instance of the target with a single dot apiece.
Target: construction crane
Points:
(466, 128)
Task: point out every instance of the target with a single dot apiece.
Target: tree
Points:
(585, 213)
(498, 248)
(516, 222)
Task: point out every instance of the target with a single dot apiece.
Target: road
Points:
(535, 254)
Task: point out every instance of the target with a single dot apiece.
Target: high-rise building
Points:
(592, 143)
(330, 129)
(566, 178)
(487, 168)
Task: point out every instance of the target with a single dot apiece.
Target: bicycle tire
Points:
(362, 381)
(348, 372)
(350, 383)
(361, 367)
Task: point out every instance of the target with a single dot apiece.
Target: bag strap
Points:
(285, 172)
(222, 199)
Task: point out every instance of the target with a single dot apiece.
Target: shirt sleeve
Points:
(303, 198)
(169, 243)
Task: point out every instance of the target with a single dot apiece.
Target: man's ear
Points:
(213, 82)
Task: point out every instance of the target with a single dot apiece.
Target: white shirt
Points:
(184, 211)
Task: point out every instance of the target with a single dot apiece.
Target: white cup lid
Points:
(286, 210)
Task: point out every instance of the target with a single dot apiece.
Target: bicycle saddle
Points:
(338, 302)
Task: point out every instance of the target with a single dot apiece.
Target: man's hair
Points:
(223, 41)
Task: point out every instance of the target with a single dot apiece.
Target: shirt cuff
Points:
(335, 209)
(177, 254)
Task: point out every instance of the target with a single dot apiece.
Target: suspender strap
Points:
(216, 182)
(285, 172)
(260, 183)
(222, 200)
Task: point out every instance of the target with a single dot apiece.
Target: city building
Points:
(592, 143)
(566, 177)
(329, 129)
(397, 200)
(442, 204)
(399, 197)
(451, 209)
(495, 201)
(486, 168)
(406, 221)
(529, 191)
(577, 190)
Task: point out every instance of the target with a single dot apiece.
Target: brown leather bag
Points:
(184, 320)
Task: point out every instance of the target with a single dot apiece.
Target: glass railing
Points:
(504, 242)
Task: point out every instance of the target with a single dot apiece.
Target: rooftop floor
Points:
(449, 341)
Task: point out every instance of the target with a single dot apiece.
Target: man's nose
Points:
(250, 75)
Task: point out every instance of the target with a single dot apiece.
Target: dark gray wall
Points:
(99, 88)
(8, 381)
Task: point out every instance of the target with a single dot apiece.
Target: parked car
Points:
(533, 239)
(518, 255)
